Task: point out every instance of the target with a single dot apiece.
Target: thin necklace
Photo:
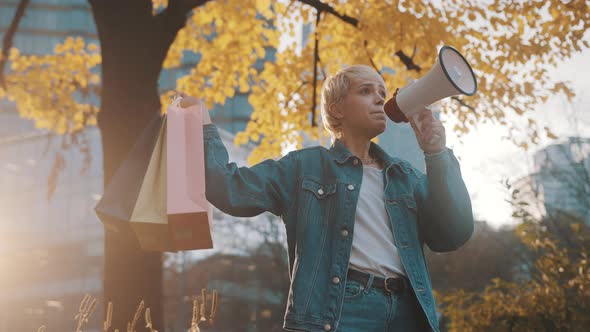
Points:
(370, 160)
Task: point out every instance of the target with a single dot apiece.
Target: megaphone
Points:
(451, 75)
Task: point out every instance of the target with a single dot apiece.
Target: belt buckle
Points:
(386, 286)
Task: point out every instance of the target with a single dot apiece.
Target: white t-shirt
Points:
(373, 249)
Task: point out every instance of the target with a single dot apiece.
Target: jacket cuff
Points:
(210, 132)
(436, 153)
(439, 159)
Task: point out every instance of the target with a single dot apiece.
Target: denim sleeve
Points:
(246, 191)
(445, 217)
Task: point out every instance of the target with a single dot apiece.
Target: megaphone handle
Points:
(416, 118)
(418, 123)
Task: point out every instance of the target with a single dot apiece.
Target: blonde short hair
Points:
(335, 89)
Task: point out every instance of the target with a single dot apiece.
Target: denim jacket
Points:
(315, 192)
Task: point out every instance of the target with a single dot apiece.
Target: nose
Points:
(379, 100)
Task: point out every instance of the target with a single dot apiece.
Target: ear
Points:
(335, 111)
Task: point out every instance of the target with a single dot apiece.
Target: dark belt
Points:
(397, 285)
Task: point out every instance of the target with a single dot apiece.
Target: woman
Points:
(356, 218)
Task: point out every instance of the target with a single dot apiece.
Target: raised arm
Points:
(243, 191)
(247, 191)
(445, 218)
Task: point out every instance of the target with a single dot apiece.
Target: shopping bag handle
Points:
(176, 100)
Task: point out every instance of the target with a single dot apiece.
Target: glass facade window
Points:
(65, 226)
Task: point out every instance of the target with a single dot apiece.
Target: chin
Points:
(378, 131)
(380, 128)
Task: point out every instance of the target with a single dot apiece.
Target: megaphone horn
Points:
(451, 75)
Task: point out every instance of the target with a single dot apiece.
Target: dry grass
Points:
(199, 316)
(109, 319)
(148, 320)
(87, 307)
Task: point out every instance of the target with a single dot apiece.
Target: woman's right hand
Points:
(188, 101)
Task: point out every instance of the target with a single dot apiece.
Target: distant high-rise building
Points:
(560, 181)
(52, 249)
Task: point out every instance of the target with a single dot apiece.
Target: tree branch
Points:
(322, 7)
(406, 60)
(316, 57)
(366, 42)
(9, 37)
(183, 7)
(329, 9)
(462, 103)
(172, 19)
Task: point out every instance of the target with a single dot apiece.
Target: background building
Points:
(52, 247)
(560, 181)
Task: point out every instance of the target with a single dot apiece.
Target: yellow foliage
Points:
(558, 279)
(44, 88)
(281, 93)
(509, 44)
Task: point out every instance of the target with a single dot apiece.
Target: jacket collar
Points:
(341, 154)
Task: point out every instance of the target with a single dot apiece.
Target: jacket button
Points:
(355, 162)
(320, 191)
(344, 232)
(327, 327)
(335, 280)
(350, 187)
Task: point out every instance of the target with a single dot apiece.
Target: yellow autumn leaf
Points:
(281, 95)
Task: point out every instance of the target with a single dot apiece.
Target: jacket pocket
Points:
(353, 290)
(316, 203)
(320, 190)
(317, 200)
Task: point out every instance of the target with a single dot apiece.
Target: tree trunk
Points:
(134, 44)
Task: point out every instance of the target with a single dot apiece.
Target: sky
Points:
(487, 159)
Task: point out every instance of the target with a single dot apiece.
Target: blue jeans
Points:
(369, 309)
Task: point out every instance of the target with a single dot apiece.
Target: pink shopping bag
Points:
(172, 212)
(189, 212)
